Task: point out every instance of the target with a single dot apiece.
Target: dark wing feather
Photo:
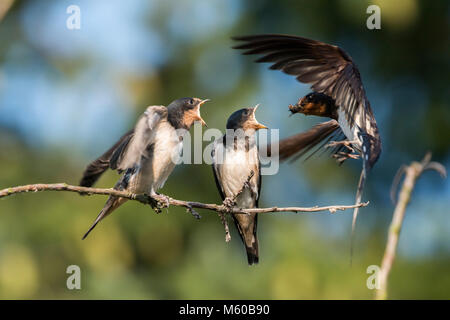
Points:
(327, 68)
(109, 159)
(216, 178)
(218, 185)
(118, 154)
(298, 145)
(259, 190)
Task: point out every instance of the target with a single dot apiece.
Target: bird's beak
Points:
(260, 126)
(298, 107)
(257, 124)
(199, 117)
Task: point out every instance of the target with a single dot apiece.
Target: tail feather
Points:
(249, 239)
(111, 204)
(252, 256)
(367, 165)
(358, 199)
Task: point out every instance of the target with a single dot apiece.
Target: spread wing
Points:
(327, 68)
(313, 139)
(126, 153)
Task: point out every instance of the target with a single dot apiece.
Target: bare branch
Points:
(436, 166)
(398, 176)
(412, 173)
(5, 5)
(146, 199)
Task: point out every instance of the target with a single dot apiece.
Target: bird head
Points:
(302, 103)
(314, 103)
(244, 119)
(186, 111)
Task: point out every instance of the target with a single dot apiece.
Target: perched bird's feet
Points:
(229, 203)
(161, 201)
(342, 156)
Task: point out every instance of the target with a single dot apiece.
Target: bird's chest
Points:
(350, 131)
(160, 159)
(235, 170)
(167, 146)
(167, 151)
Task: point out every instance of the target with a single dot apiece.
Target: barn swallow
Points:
(338, 92)
(145, 156)
(235, 159)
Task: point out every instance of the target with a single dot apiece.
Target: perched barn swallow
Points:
(235, 159)
(338, 92)
(147, 154)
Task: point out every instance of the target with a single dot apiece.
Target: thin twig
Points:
(230, 203)
(146, 199)
(224, 221)
(5, 6)
(412, 173)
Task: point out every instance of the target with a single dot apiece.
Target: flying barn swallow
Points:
(145, 155)
(235, 157)
(338, 93)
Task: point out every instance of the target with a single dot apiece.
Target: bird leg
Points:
(229, 202)
(341, 156)
(161, 201)
(345, 143)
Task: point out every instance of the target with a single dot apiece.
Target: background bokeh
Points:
(67, 95)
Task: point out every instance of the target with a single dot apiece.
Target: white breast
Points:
(235, 170)
(155, 170)
(167, 151)
(350, 132)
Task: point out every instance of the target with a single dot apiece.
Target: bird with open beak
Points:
(147, 154)
(235, 159)
(338, 93)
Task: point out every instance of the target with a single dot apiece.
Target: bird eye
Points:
(191, 101)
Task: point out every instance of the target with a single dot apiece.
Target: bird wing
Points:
(215, 167)
(126, 152)
(144, 135)
(258, 181)
(327, 68)
(96, 168)
(300, 144)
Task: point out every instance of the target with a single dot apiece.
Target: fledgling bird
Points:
(147, 154)
(338, 93)
(235, 158)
